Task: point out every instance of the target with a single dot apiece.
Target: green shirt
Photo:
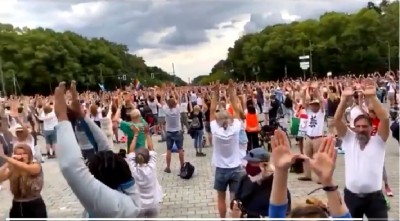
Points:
(125, 126)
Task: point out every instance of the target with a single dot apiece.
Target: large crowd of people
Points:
(252, 128)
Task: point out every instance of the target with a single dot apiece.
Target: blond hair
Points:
(135, 113)
(196, 109)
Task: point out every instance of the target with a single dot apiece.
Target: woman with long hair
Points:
(196, 128)
(26, 182)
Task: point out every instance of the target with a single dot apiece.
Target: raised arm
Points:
(214, 101)
(340, 125)
(381, 112)
(97, 198)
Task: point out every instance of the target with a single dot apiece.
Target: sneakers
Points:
(339, 150)
(388, 191)
(200, 154)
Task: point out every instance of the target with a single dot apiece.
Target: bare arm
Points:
(383, 115)
(4, 172)
(32, 169)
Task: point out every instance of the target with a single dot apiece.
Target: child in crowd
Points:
(143, 163)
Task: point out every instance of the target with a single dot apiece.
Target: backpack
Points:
(187, 171)
(195, 124)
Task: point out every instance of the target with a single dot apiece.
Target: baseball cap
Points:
(314, 101)
(257, 155)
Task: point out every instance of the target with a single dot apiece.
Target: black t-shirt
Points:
(255, 197)
(332, 106)
(207, 115)
(288, 102)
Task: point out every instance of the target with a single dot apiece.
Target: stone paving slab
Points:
(189, 198)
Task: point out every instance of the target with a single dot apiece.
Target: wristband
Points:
(330, 188)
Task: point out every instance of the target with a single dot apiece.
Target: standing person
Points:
(161, 116)
(107, 126)
(184, 111)
(206, 112)
(173, 128)
(260, 99)
(226, 148)
(143, 163)
(95, 114)
(252, 127)
(196, 129)
(26, 182)
(314, 129)
(49, 122)
(364, 158)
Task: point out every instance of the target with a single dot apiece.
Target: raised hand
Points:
(60, 105)
(347, 92)
(370, 88)
(323, 162)
(216, 86)
(75, 105)
(282, 157)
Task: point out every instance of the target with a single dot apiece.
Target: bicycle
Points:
(267, 131)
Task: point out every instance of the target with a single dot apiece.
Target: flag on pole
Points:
(137, 85)
(102, 87)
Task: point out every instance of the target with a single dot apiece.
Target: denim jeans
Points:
(198, 139)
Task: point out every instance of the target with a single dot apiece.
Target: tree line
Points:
(362, 42)
(34, 60)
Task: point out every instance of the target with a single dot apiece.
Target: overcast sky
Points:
(192, 34)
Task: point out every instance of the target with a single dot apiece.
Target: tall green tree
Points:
(363, 42)
(39, 58)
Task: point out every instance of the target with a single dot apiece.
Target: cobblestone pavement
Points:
(188, 198)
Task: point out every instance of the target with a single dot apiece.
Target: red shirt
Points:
(375, 124)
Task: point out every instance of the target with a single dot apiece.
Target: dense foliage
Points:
(39, 58)
(339, 42)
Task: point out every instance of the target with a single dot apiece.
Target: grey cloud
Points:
(125, 21)
(182, 37)
(305, 9)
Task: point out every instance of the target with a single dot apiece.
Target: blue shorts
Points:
(50, 136)
(174, 137)
(225, 177)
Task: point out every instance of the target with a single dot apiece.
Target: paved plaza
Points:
(189, 198)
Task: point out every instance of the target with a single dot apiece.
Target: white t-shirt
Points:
(153, 106)
(49, 121)
(183, 107)
(146, 180)
(226, 149)
(363, 168)
(193, 97)
(199, 101)
(315, 124)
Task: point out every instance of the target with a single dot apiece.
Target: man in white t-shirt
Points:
(226, 156)
(314, 133)
(364, 158)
